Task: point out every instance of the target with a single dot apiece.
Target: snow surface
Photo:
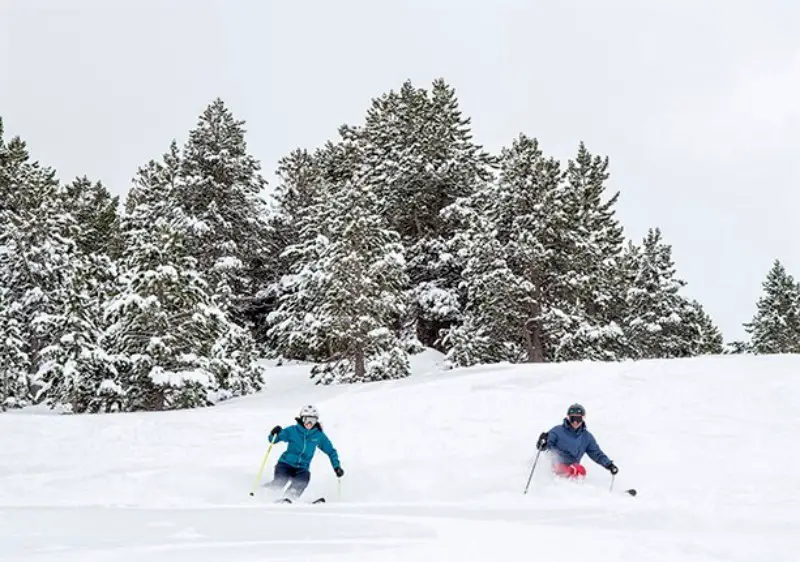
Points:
(435, 466)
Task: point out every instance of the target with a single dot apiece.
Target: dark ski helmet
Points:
(576, 410)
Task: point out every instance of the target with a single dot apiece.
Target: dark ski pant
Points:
(284, 473)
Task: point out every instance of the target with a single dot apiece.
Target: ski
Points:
(289, 500)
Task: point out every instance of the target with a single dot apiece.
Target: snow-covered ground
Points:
(435, 469)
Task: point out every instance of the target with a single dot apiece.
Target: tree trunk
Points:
(538, 344)
(3, 404)
(359, 364)
(532, 333)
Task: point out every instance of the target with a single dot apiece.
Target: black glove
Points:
(276, 430)
(339, 472)
(612, 468)
(541, 444)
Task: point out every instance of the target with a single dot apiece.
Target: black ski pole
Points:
(611, 489)
(532, 469)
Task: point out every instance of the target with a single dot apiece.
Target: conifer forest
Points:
(401, 234)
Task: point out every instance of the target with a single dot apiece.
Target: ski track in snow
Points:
(435, 469)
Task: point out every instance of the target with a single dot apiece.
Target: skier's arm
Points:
(596, 454)
(327, 447)
(552, 439)
(282, 435)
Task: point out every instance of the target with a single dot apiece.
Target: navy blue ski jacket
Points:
(570, 445)
(302, 444)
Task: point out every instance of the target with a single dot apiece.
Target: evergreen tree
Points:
(421, 157)
(14, 359)
(703, 331)
(154, 329)
(360, 281)
(300, 187)
(95, 210)
(345, 295)
(79, 374)
(592, 246)
(219, 193)
(301, 175)
(775, 327)
(523, 221)
(529, 212)
(494, 315)
(295, 329)
(38, 263)
(175, 348)
(736, 347)
(658, 318)
(151, 195)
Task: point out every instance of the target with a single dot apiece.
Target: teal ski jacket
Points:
(302, 443)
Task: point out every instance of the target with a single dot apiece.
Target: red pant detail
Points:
(574, 470)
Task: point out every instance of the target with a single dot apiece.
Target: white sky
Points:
(695, 103)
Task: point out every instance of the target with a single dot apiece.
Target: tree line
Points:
(401, 234)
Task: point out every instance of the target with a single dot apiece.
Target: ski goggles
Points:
(573, 418)
(309, 419)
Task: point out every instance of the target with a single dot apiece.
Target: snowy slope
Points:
(435, 469)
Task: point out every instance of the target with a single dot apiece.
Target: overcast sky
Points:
(695, 103)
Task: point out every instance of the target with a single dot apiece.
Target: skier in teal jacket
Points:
(302, 440)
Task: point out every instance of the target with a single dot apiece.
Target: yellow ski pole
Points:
(261, 470)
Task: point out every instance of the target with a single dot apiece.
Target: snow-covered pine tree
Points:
(295, 328)
(422, 158)
(775, 327)
(347, 288)
(220, 194)
(38, 263)
(524, 221)
(657, 315)
(80, 374)
(95, 211)
(97, 234)
(736, 347)
(153, 328)
(15, 365)
(153, 188)
(298, 190)
(175, 348)
(490, 326)
(702, 331)
(529, 212)
(592, 247)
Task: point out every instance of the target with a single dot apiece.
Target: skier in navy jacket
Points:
(569, 441)
(302, 440)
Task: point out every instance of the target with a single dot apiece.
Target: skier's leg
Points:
(299, 483)
(561, 469)
(283, 472)
(575, 470)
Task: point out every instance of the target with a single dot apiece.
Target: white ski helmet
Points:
(308, 411)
